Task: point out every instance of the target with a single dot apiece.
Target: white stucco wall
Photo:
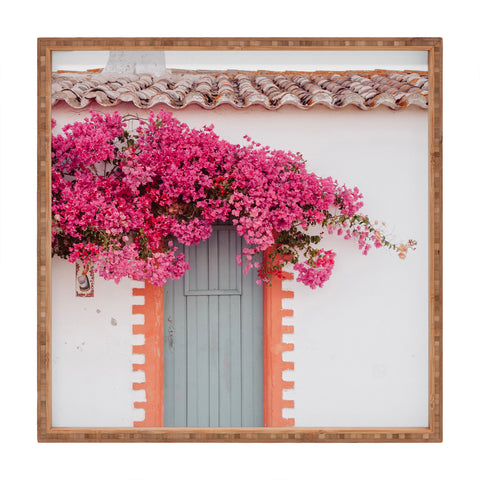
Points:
(361, 342)
(92, 352)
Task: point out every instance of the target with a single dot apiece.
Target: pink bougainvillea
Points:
(121, 199)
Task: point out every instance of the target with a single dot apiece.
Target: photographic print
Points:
(240, 240)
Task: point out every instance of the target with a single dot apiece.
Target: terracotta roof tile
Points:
(240, 89)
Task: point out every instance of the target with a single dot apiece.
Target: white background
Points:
(259, 60)
(22, 457)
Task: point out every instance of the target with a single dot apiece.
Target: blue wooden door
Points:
(213, 339)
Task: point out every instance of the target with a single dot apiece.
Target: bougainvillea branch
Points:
(122, 199)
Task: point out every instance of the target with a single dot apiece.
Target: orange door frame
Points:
(273, 348)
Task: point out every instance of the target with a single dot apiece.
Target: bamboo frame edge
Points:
(434, 46)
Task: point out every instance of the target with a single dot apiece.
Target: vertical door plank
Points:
(180, 355)
(256, 308)
(225, 370)
(190, 278)
(214, 361)
(201, 265)
(175, 355)
(192, 387)
(169, 357)
(252, 348)
(234, 242)
(248, 353)
(223, 260)
(203, 361)
(213, 265)
(235, 362)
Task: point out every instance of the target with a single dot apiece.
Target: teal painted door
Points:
(213, 339)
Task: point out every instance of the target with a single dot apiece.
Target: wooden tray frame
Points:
(47, 433)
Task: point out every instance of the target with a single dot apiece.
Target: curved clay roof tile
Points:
(240, 89)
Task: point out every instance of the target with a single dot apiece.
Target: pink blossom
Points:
(120, 201)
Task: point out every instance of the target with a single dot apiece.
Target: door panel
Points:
(213, 339)
(213, 268)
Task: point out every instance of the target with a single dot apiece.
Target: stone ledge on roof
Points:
(178, 89)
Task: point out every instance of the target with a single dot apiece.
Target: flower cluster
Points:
(121, 199)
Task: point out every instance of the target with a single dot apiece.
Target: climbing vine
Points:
(123, 200)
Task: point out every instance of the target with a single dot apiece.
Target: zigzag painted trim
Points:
(274, 346)
(152, 349)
